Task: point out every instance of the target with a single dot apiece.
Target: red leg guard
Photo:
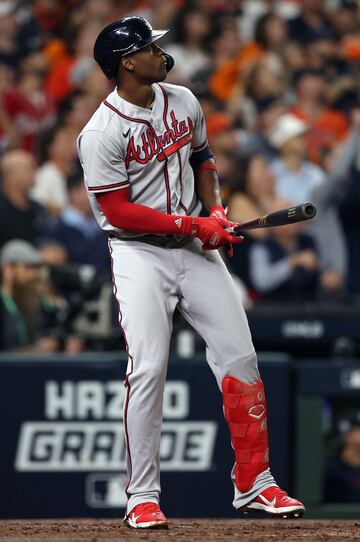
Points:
(246, 413)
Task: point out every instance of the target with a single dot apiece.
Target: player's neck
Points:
(140, 95)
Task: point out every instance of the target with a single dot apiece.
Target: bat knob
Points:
(309, 210)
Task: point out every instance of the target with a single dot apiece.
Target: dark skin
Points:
(136, 74)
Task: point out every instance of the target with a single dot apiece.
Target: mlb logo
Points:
(106, 490)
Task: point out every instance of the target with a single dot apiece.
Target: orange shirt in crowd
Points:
(58, 83)
(224, 79)
(326, 129)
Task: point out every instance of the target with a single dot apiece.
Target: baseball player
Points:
(148, 171)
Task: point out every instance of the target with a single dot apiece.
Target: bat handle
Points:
(230, 229)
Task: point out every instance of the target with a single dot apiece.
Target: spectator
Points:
(348, 197)
(29, 35)
(312, 21)
(341, 190)
(268, 110)
(78, 232)
(263, 78)
(49, 15)
(27, 104)
(343, 470)
(349, 207)
(323, 53)
(285, 266)
(295, 176)
(271, 33)
(100, 12)
(326, 126)
(226, 43)
(253, 196)
(78, 58)
(20, 216)
(9, 136)
(162, 14)
(298, 180)
(258, 64)
(58, 150)
(229, 75)
(345, 19)
(220, 132)
(53, 254)
(76, 109)
(89, 77)
(327, 55)
(194, 27)
(60, 313)
(20, 305)
(8, 33)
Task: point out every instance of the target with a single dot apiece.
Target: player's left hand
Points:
(220, 214)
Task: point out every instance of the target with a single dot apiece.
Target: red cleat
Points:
(146, 515)
(276, 501)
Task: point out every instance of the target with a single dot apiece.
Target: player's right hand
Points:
(220, 214)
(212, 234)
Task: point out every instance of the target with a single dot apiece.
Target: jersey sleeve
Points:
(102, 162)
(199, 136)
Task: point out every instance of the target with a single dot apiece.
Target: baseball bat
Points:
(305, 211)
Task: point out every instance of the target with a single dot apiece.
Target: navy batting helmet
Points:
(122, 38)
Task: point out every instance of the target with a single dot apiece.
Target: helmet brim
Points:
(155, 35)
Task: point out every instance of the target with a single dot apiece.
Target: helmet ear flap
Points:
(169, 62)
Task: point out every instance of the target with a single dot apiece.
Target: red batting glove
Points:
(220, 214)
(212, 233)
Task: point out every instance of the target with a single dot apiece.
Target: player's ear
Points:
(127, 63)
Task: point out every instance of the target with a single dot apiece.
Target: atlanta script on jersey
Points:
(147, 150)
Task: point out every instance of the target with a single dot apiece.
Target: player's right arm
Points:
(129, 216)
(107, 178)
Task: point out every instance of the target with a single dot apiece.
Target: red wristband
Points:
(205, 166)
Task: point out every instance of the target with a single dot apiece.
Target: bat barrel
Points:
(304, 211)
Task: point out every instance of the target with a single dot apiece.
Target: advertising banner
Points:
(63, 454)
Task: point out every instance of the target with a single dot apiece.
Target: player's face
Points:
(150, 64)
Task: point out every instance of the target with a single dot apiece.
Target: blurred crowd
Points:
(342, 474)
(279, 84)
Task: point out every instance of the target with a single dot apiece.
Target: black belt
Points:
(165, 241)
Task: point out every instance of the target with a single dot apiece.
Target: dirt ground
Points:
(94, 530)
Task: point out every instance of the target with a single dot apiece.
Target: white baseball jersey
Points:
(147, 150)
